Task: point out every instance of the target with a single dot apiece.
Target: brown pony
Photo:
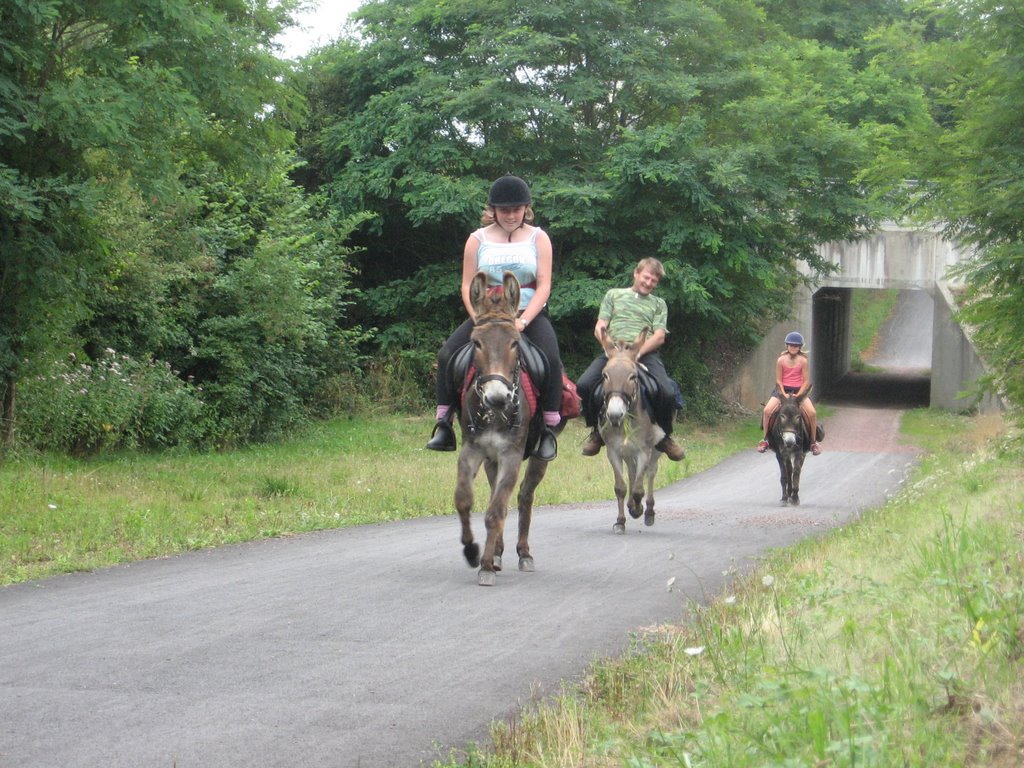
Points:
(496, 429)
(628, 431)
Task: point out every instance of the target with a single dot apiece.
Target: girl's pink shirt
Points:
(792, 377)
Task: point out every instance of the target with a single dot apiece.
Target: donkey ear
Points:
(511, 287)
(639, 343)
(478, 290)
(607, 343)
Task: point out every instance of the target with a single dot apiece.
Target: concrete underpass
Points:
(930, 360)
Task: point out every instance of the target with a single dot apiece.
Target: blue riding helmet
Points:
(794, 338)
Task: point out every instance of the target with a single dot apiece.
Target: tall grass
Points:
(59, 514)
(896, 641)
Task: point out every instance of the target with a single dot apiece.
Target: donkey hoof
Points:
(486, 578)
(472, 553)
(649, 517)
(526, 564)
(497, 562)
(619, 528)
(635, 512)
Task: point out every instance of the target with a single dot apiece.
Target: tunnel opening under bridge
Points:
(872, 347)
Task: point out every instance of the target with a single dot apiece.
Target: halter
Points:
(485, 416)
(627, 398)
(799, 429)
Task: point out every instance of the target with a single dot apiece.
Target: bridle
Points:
(506, 417)
(797, 429)
(628, 397)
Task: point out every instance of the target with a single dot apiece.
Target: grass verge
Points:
(894, 641)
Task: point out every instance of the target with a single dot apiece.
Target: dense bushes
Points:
(115, 402)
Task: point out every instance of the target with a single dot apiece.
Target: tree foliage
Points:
(972, 58)
(150, 212)
(691, 131)
(145, 205)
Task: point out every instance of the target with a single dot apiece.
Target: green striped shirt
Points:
(628, 313)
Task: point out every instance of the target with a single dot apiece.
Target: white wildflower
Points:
(768, 580)
(694, 651)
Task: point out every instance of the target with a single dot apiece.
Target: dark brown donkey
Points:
(789, 438)
(495, 418)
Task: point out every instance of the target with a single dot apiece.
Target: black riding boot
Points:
(547, 445)
(443, 437)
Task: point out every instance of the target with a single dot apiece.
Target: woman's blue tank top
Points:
(518, 258)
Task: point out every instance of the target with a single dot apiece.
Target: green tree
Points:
(971, 58)
(843, 24)
(97, 96)
(242, 286)
(691, 131)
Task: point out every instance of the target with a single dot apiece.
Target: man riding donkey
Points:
(624, 314)
(792, 377)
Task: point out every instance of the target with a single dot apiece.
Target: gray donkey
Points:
(628, 430)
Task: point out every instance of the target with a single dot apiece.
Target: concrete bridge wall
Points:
(894, 257)
(957, 361)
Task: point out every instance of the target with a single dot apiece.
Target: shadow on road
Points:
(880, 390)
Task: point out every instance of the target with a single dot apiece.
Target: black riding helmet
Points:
(508, 192)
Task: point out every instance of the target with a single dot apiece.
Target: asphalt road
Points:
(374, 646)
(904, 342)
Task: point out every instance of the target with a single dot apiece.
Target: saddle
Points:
(535, 366)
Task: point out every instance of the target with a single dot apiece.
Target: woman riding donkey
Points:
(624, 314)
(792, 377)
(507, 241)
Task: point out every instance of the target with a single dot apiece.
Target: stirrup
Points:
(547, 445)
(443, 437)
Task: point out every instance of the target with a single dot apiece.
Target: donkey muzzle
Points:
(616, 409)
(495, 391)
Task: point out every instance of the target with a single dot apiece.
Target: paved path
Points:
(904, 341)
(374, 646)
